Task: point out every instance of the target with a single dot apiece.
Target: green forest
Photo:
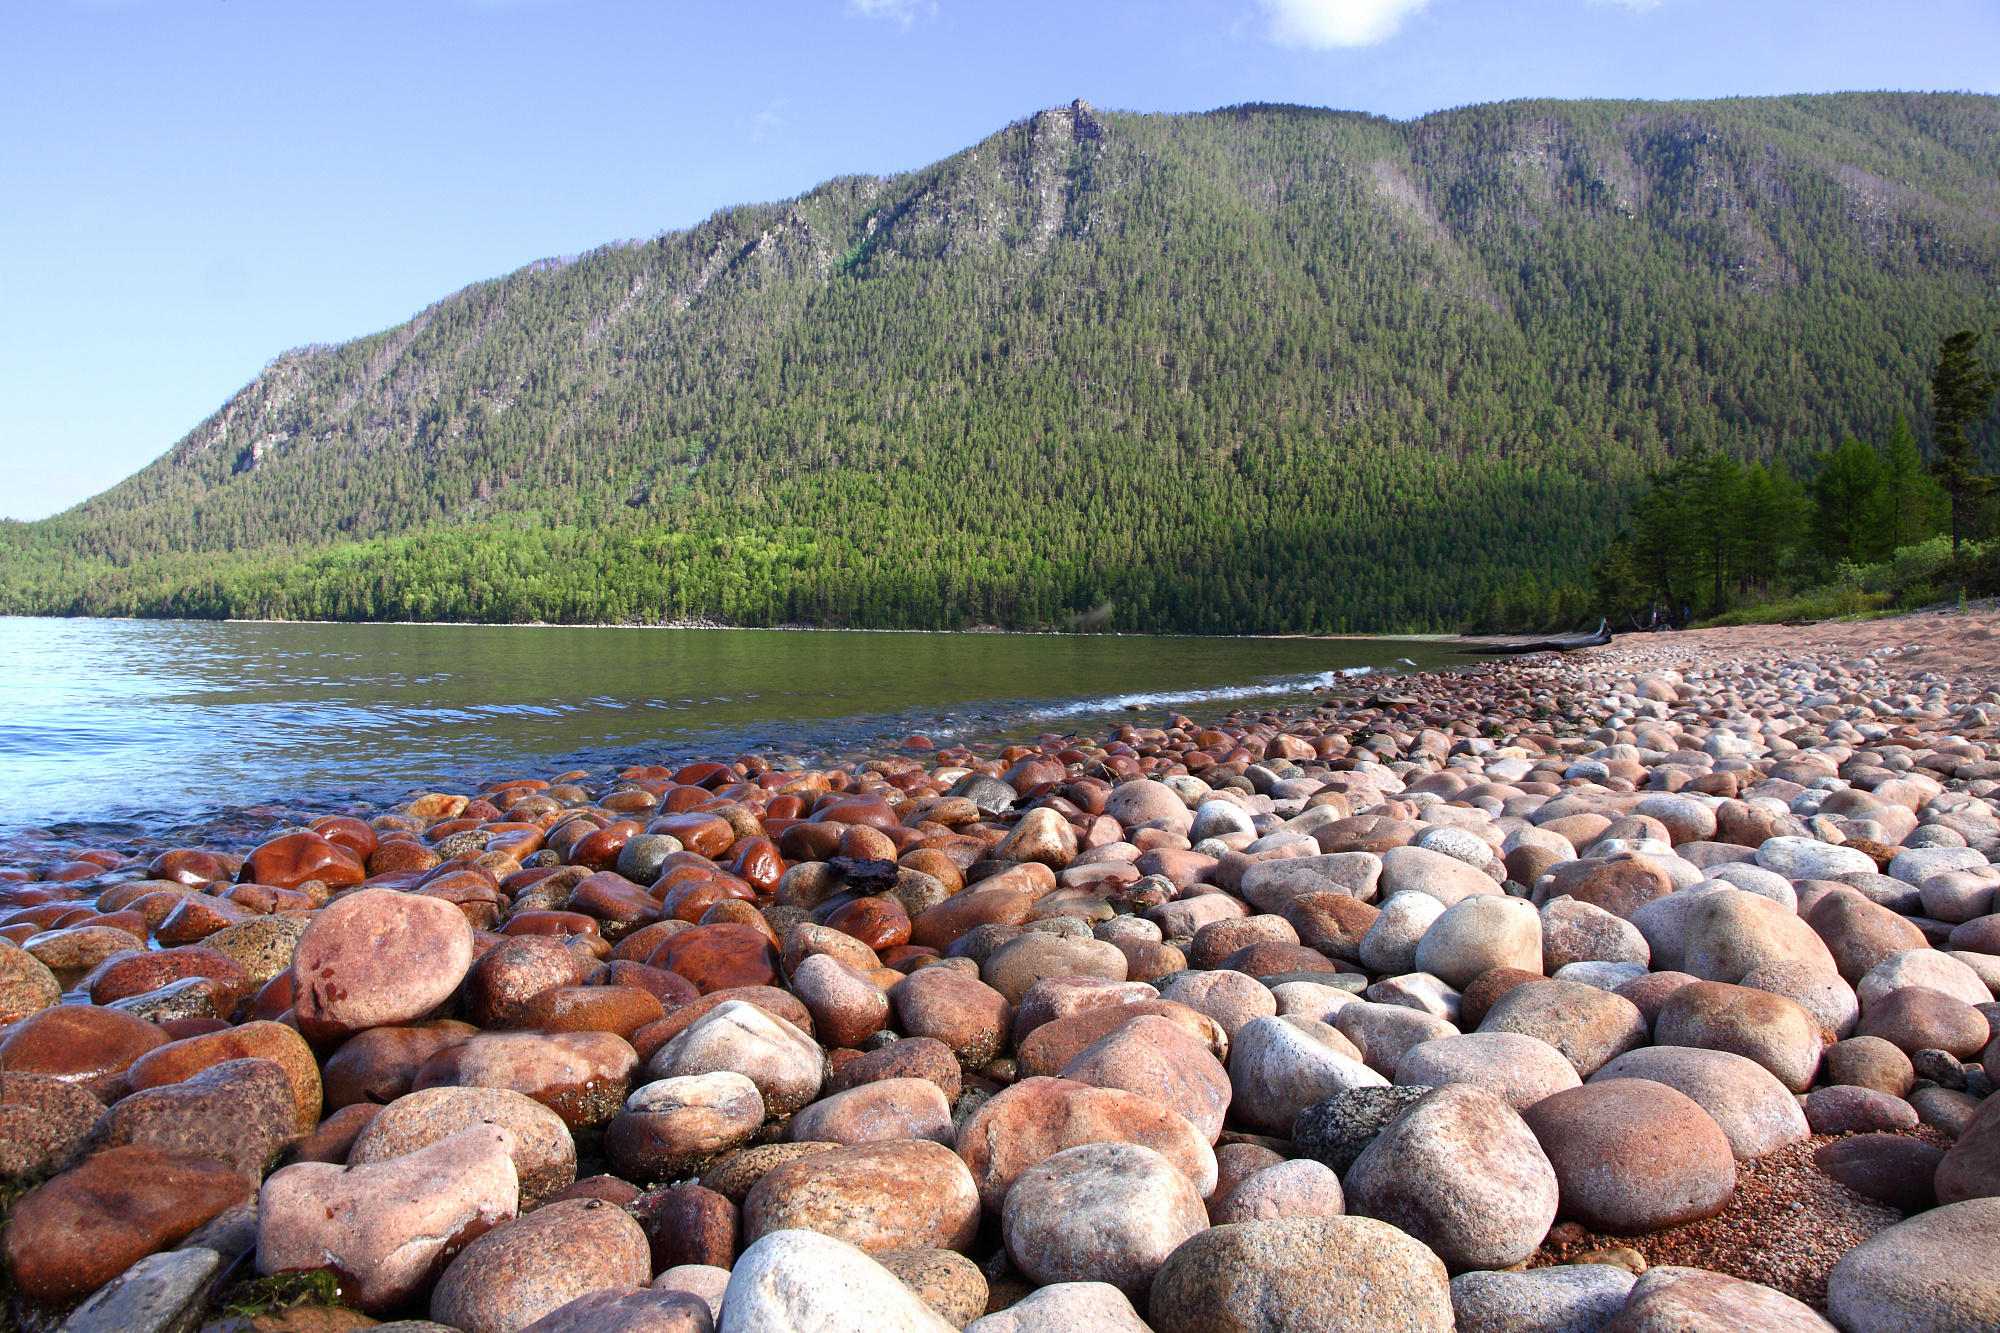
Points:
(1874, 528)
(1264, 369)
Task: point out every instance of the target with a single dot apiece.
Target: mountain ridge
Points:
(1261, 368)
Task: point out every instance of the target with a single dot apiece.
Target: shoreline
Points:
(773, 629)
(1936, 638)
(900, 962)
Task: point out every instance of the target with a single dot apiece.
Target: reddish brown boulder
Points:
(1039, 1117)
(581, 1076)
(290, 861)
(1917, 1018)
(1860, 933)
(1155, 1058)
(719, 957)
(88, 1225)
(80, 1044)
(134, 974)
(879, 923)
(376, 1067)
(912, 1057)
(1485, 991)
(186, 865)
(197, 916)
(239, 1112)
(1332, 923)
(178, 1061)
(503, 985)
(687, 1224)
(981, 905)
(522, 1270)
(704, 834)
(619, 904)
(1053, 1045)
(967, 1015)
(1620, 885)
(622, 1010)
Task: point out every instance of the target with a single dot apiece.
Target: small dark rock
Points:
(1334, 1132)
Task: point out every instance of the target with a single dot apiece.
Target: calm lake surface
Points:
(160, 723)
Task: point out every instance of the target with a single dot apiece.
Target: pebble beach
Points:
(1642, 988)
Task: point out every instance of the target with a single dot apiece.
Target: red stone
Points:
(690, 900)
(614, 900)
(550, 923)
(87, 1226)
(706, 835)
(396, 855)
(810, 841)
(77, 1043)
(719, 957)
(352, 834)
(135, 974)
(758, 862)
(186, 865)
(290, 861)
(599, 850)
(620, 1009)
(879, 923)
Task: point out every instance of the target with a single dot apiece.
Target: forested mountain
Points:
(1268, 368)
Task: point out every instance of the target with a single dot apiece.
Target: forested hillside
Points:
(1264, 369)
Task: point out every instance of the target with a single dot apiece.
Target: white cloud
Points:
(901, 12)
(769, 122)
(1636, 6)
(1329, 23)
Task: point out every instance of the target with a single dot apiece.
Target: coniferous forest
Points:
(1265, 369)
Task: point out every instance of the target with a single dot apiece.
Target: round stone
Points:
(882, 1111)
(1757, 1113)
(1302, 1275)
(1299, 1188)
(782, 1061)
(1280, 1066)
(1100, 1212)
(1463, 1173)
(1933, 1273)
(1039, 1117)
(377, 958)
(798, 1281)
(907, 1195)
(1633, 1156)
(669, 1126)
(544, 1152)
(517, 1273)
(1519, 1069)
(1587, 1025)
(1766, 1028)
(1477, 934)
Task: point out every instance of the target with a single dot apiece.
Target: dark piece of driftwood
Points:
(1560, 644)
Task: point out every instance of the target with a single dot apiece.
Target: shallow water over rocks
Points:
(154, 723)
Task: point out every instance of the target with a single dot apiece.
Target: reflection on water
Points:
(120, 720)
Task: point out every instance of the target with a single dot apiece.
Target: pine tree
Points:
(1962, 390)
(1909, 497)
(1846, 492)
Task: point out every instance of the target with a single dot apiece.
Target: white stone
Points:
(803, 1282)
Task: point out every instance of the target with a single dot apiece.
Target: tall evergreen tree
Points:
(1962, 389)
(1909, 497)
(1846, 492)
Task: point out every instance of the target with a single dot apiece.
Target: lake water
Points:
(160, 723)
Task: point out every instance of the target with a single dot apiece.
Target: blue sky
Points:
(189, 187)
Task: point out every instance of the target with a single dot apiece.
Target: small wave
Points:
(1176, 698)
